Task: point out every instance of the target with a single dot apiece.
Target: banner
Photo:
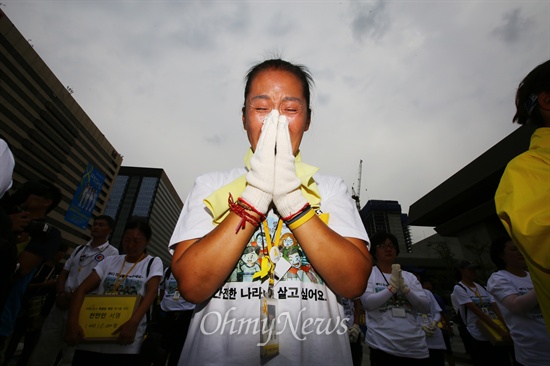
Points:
(84, 199)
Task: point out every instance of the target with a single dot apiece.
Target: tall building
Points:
(463, 206)
(379, 215)
(51, 137)
(148, 194)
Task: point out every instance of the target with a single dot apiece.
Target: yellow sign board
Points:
(101, 315)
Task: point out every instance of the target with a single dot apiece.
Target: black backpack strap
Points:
(147, 314)
(78, 249)
(167, 273)
(149, 266)
(465, 307)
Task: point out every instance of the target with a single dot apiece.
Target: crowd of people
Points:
(271, 265)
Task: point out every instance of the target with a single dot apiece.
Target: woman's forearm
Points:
(372, 301)
(343, 263)
(201, 266)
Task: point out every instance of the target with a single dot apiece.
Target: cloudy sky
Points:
(415, 89)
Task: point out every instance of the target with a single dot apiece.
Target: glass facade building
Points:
(148, 194)
(380, 215)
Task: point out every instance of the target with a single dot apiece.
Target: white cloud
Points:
(415, 89)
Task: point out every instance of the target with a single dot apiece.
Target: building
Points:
(379, 215)
(50, 136)
(463, 206)
(145, 193)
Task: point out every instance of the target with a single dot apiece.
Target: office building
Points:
(148, 194)
(380, 215)
(51, 137)
(463, 206)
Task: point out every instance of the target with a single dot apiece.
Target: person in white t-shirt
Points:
(296, 285)
(79, 266)
(132, 273)
(434, 335)
(473, 303)
(7, 164)
(174, 316)
(513, 290)
(392, 300)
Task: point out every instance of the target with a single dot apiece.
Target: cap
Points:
(467, 264)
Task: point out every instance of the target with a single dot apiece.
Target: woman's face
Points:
(512, 256)
(386, 252)
(468, 274)
(280, 90)
(134, 243)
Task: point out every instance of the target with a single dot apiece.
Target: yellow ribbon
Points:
(217, 201)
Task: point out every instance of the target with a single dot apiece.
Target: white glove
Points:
(430, 328)
(287, 195)
(354, 332)
(260, 177)
(394, 278)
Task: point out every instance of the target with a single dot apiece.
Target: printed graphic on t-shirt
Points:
(171, 289)
(130, 286)
(396, 301)
(484, 303)
(536, 312)
(288, 248)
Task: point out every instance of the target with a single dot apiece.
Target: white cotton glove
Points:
(354, 332)
(430, 328)
(260, 177)
(394, 278)
(287, 195)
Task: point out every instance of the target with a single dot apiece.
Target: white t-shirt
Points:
(528, 331)
(311, 324)
(349, 311)
(82, 261)
(481, 298)
(172, 300)
(435, 341)
(386, 329)
(6, 167)
(134, 284)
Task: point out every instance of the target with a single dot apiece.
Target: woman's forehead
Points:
(273, 79)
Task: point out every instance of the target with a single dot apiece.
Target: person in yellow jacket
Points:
(523, 196)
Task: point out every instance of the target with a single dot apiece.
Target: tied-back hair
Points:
(536, 82)
(300, 71)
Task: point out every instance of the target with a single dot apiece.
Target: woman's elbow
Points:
(356, 287)
(193, 293)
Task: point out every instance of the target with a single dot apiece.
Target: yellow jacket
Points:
(523, 205)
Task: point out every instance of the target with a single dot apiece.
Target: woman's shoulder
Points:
(408, 274)
(220, 177)
(330, 184)
(327, 179)
(459, 287)
(497, 275)
(113, 258)
(154, 265)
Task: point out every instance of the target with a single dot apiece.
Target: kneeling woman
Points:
(132, 273)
